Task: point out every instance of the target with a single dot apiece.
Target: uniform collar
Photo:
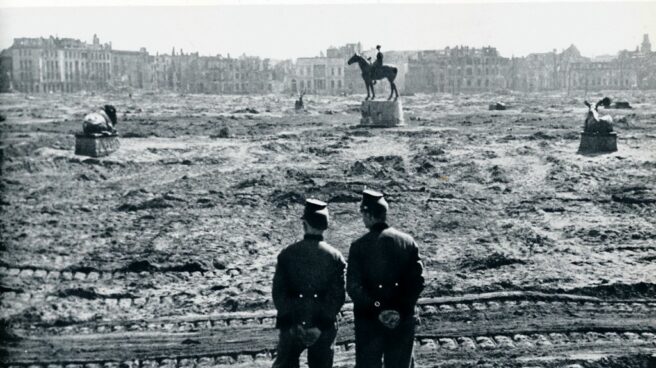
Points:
(313, 237)
(379, 226)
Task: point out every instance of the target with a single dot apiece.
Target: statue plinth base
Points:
(381, 113)
(95, 145)
(598, 143)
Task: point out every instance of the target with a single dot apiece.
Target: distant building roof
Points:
(55, 42)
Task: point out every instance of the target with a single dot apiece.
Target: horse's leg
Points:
(391, 89)
(373, 94)
(396, 91)
(366, 85)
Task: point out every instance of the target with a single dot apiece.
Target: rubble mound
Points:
(497, 106)
(495, 260)
(286, 198)
(340, 192)
(378, 166)
(635, 195)
(247, 110)
(223, 133)
(195, 266)
(541, 136)
(499, 175)
(150, 204)
(140, 266)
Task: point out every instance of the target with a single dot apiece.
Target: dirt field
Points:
(183, 223)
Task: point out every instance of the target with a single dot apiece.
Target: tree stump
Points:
(598, 143)
(381, 113)
(96, 145)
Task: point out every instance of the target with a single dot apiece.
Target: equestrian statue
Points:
(371, 72)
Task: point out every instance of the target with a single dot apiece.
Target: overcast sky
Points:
(298, 28)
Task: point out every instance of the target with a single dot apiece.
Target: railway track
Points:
(527, 326)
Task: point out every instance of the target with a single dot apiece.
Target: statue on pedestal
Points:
(598, 135)
(99, 136)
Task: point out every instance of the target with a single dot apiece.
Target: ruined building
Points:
(6, 78)
(454, 70)
(39, 65)
(131, 69)
(479, 70)
(547, 71)
(327, 74)
(318, 75)
(59, 64)
(352, 75)
(628, 70)
(226, 75)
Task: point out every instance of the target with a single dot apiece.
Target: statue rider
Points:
(376, 64)
(379, 59)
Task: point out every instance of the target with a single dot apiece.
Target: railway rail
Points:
(532, 326)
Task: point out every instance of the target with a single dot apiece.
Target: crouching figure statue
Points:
(99, 136)
(102, 121)
(594, 124)
(598, 135)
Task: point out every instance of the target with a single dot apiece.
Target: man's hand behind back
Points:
(389, 318)
(307, 336)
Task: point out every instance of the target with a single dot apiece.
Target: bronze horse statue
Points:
(382, 72)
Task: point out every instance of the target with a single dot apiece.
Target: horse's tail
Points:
(394, 71)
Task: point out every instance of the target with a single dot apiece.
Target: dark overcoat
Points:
(308, 285)
(384, 272)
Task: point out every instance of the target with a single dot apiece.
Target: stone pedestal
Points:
(96, 145)
(381, 113)
(598, 143)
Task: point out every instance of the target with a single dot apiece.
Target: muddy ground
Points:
(183, 212)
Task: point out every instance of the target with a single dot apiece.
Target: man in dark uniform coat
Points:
(377, 64)
(379, 58)
(384, 279)
(308, 292)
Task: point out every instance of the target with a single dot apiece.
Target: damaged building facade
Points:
(465, 70)
(547, 71)
(629, 70)
(318, 75)
(326, 74)
(352, 81)
(131, 69)
(42, 65)
(192, 73)
(455, 70)
(59, 65)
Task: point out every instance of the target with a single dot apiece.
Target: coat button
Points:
(396, 284)
(377, 303)
(315, 296)
(380, 286)
(300, 295)
(303, 323)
